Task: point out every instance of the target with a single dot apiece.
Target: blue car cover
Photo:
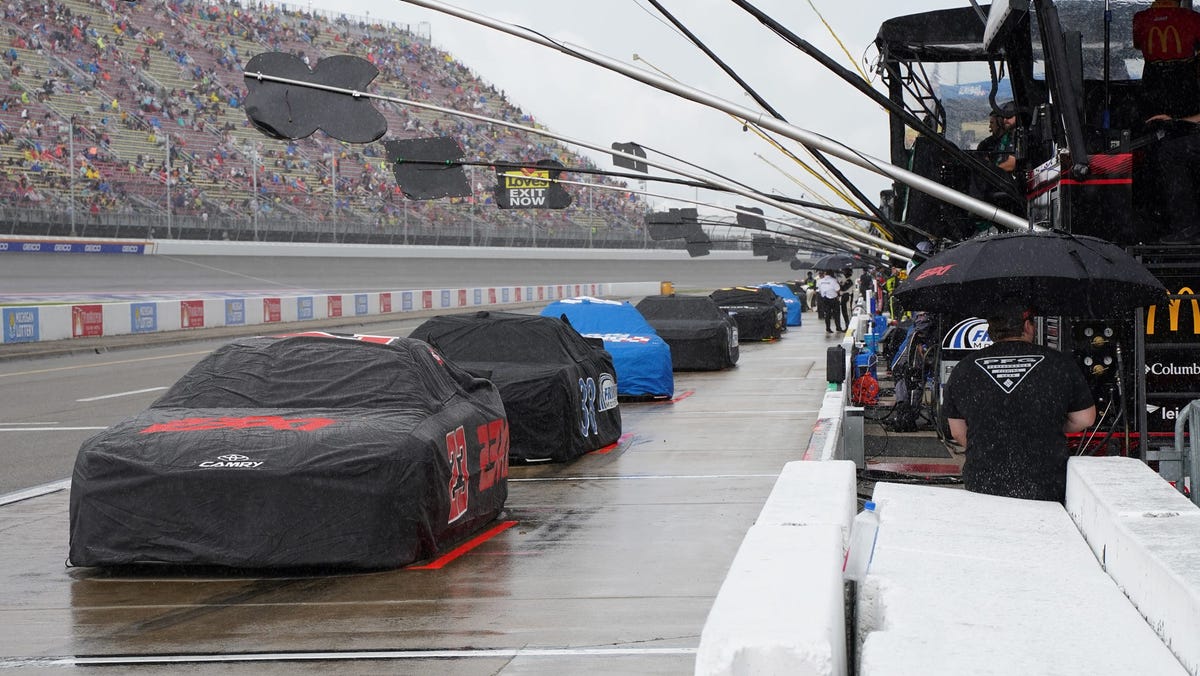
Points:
(790, 299)
(642, 358)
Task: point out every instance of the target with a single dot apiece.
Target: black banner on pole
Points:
(531, 187)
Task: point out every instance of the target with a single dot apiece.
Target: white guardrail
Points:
(49, 322)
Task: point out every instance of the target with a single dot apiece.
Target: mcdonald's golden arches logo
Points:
(1161, 37)
(1173, 313)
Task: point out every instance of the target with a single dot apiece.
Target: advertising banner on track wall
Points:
(304, 308)
(191, 314)
(385, 302)
(87, 321)
(41, 246)
(21, 325)
(235, 312)
(272, 310)
(143, 317)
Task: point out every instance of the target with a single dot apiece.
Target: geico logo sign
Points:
(91, 248)
(231, 460)
(1160, 369)
(129, 248)
(62, 248)
(31, 247)
(1173, 307)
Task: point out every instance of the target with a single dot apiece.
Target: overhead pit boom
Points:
(983, 210)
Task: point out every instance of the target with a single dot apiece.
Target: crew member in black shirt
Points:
(1010, 406)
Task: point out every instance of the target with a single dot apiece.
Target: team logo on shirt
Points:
(1008, 372)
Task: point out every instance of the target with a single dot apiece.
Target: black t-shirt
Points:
(1015, 397)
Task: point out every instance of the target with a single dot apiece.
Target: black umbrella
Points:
(1057, 273)
(836, 262)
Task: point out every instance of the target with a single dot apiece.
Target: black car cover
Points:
(702, 336)
(559, 388)
(758, 312)
(310, 450)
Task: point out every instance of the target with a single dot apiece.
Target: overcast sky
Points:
(592, 104)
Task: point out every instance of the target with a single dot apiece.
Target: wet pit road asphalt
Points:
(607, 564)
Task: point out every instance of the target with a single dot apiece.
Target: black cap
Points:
(1008, 317)
(1006, 109)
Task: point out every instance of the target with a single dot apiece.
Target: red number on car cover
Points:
(456, 450)
(273, 421)
(493, 452)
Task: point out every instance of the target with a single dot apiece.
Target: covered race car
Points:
(702, 336)
(641, 356)
(791, 302)
(759, 313)
(559, 388)
(296, 451)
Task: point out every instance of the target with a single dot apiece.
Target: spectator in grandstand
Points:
(1011, 405)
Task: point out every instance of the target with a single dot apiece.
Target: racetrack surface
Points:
(48, 277)
(611, 565)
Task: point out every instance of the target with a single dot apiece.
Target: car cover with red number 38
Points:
(559, 388)
(314, 449)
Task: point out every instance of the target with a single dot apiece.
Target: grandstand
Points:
(124, 119)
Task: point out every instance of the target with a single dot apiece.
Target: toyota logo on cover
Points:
(231, 460)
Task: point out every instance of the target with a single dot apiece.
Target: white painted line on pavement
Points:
(50, 429)
(35, 492)
(324, 656)
(121, 394)
(116, 362)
